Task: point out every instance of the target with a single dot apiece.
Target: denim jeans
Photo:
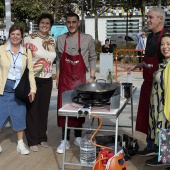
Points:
(11, 107)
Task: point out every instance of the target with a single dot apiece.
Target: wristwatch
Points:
(93, 77)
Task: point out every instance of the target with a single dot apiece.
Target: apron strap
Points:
(79, 49)
(65, 44)
(159, 40)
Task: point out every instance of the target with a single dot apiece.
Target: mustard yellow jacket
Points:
(167, 91)
(5, 60)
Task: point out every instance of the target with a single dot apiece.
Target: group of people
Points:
(75, 55)
(153, 111)
(37, 52)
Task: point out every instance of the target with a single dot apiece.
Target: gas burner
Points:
(91, 102)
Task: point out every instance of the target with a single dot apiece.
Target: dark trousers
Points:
(150, 143)
(77, 133)
(140, 57)
(37, 113)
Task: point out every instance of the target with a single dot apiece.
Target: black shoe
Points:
(147, 152)
(154, 162)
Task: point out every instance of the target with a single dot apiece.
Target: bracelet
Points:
(93, 77)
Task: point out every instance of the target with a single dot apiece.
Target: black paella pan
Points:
(96, 91)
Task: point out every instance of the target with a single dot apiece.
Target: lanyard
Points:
(14, 60)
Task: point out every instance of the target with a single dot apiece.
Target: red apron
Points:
(142, 122)
(72, 73)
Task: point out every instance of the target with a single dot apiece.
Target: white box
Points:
(106, 63)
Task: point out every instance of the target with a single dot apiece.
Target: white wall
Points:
(90, 26)
(102, 30)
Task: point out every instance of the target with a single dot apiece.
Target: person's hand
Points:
(31, 96)
(147, 65)
(130, 67)
(57, 79)
(90, 80)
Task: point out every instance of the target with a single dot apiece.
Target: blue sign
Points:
(58, 29)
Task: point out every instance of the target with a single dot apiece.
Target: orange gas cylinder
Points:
(117, 162)
(101, 160)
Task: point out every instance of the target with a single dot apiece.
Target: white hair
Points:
(160, 12)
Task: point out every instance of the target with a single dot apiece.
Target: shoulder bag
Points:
(23, 88)
(164, 146)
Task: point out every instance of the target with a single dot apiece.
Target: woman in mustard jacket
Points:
(13, 60)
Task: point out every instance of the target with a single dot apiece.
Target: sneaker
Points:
(60, 149)
(77, 141)
(44, 144)
(21, 147)
(0, 149)
(154, 162)
(147, 152)
(34, 148)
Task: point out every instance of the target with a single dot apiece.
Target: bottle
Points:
(109, 77)
(129, 78)
(87, 150)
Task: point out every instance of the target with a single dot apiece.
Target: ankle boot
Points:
(21, 147)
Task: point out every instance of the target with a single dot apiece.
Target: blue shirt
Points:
(14, 72)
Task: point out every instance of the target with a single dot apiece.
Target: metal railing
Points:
(128, 56)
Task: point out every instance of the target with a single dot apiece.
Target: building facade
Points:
(114, 22)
